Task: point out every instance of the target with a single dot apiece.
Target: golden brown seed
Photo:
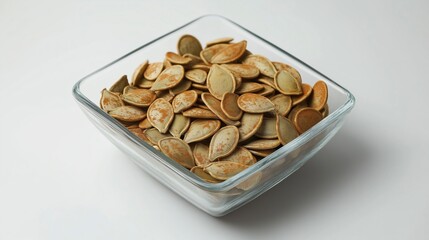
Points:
(295, 109)
(181, 87)
(128, 113)
(201, 87)
(169, 78)
(219, 81)
(223, 142)
(195, 60)
(238, 80)
(306, 92)
(262, 153)
(138, 73)
(201, 66)
(286, 131)
(240, 155)
(166, 63)
(178, 150)
(267, 80)
(250, 123)
(177, 59)
(144, 83)
(201, 129)
(138, 97)
(286, 83)
(214, 105)
(179, 125)
(230, 53)
(218, 41)
(267, 91)
(262, 63)
(267, 128)
(160, 114)
(201, 155)
(306, 118)
(145, 124)
(319, 97)
(263, 144)
(184, 101)
(249, 87)
(165, 94)
(224, 169)
(198, 170)
(154, 135)
(196, 75)
(197, 112)
(325, 111)
(139, 133)
(110, 100)
(229, 106)
(282, 103)
(208, 53)
(118, 86)
(245, 71)
(283, 66)
(254, 103)
(189, 44)
(153, 71)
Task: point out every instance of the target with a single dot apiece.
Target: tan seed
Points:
(144, 83)
(306, 118)
(267, 80)
(306, 92)
(262, 63)
(208, 53)
(325, 111)
(203, 67)
(267, 91)
(138, 97)
(263, 144)
(128, 113)
(189, 44)
(145, 124)
(179, 125)
(165, 94)
(240, 155)
(219, 40)
(254, 103)
(230, 53)
(169, 78)
(282, 103)
(201, 155)
(201, 87)
(196, 75)
(110, 100)
(198, 170)
(139, 133)
(201, 129)
(181, 87)
(223, 142)
(153, 71)
(249, 87)
(118, 86)
(250, 123)
(229, 106)
(178, 150)
(184, 101)
(287, 84)
(138, 73)
(160, 114)
(220, 81)
(245, 71)
(262, 153)
(175, 58)
(283, 66)
(154, 135)
(224, 169)
(286, 131)
(197, 112)
(319, 97)
(214, 105)
(267, 128)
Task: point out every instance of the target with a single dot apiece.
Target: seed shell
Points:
(244, 70)
(250, 123)
(287, 84)
(128, 113)
(138, 73)
(153, 71)
(179, 125)
(229, 106)
(201, 155)
(283, 66)
(319, 97)
(224, 169)
(214, 105)
(199, 171)
(201, 129)
(189, 44)
(184, 100)
(286, 131)
(219, 81)
(138, 97)
(196, 75)
(223, 142)
(118, 86)
(262, 63)
(110, 100)
(218, 41)
(306, 118)
(254, 103)
(154, 135)
(177, 59)
(230, 53)
(282, 103)
(263, 144)
(249, 87)
(178, 150)
(267, 129)
(160, 114)
(240, 155)
(197, 112)
(306, 92)
(169, 78)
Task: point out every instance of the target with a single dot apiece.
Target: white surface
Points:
(61, 179)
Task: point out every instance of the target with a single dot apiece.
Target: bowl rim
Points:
(346, 107)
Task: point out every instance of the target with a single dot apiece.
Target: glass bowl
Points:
(216, 199)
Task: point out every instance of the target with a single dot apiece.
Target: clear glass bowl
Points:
(220, 198)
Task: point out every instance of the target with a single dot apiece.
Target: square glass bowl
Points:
(220, 198)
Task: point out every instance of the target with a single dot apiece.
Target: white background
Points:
(61, 179)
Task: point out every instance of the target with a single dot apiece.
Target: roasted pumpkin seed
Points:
(319, 97)
(286, 83)
(201, 129)
(127, 113)
(178, 150)
(189, 44)
(201, 155)
(110, 100)
(138, 97)
(229, 106)
(262, 63)
(184, 101)
(223, 142)
(219, 81)
(169, 78)
(160, 114)
(179, 125)
(153, 71)
(254, 103)
(230, 53)
(224, 169)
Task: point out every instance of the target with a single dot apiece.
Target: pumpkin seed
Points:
(282, 104)
(139, 133)
(201, 129)
(196, 75)
(283, 66)
(262, 153)
(229, 106)
(181, 87)
(110, 100)
(244, 70)
(319, 97)
(144, 83)
(306, 92)
(230, 53)
(267, 80)
(201, 87)
(223, 142)
(306, 118)
(263, 144)
(262, 63)
(214, 105)
(254, 103)
(218, 41)
(179, 125)
(154, 135)
(184, 100)
(169, 78)
(267, 128)
(325, 111)
(177, 59)
(178, 150)
(267, 91)
(286, 131)
(160, 114)
(128, 113)
(197, 112)
(250, 123)
(240, 155)
(249, 87)
(189, 44)
(208, 53)
(201, 154)
(224, 169)
(138, 97)
(165, 94)
(198, 170)
(118, 86)
(220, 81)
(153, 71)
(286, 83)
(145, 124)
(138, 73)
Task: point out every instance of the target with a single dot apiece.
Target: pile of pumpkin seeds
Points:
(215, 110)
